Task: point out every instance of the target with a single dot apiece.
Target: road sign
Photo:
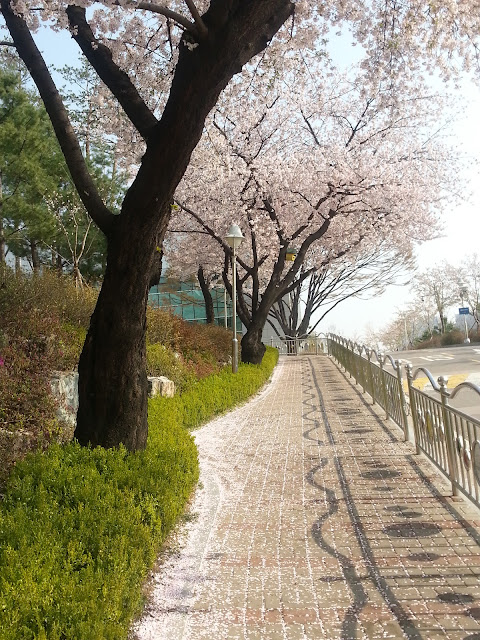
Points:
(464, 311)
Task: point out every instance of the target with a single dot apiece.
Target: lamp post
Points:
(463, 294)
(234, 239)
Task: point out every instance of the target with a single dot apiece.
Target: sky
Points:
(461, 235)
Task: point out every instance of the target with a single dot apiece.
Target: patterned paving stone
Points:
(315, 520)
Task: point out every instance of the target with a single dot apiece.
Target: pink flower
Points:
(2, 361)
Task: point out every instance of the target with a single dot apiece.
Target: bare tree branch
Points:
(173, 15)
(201, 28)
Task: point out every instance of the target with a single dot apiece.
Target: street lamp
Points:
(463, 294)
(234, 239)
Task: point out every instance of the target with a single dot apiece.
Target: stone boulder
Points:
(160, 385)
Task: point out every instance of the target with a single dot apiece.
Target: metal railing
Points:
(449, 437)
(315, 345)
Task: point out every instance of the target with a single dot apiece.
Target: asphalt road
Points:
(458, 364)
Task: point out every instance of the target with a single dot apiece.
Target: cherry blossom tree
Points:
(327, 170)
(195, 60)
(361, 275)
(438, 289)
(166, 66)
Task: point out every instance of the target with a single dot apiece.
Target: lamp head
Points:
(234, 236)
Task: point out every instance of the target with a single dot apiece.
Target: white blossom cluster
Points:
(407, 36)
(315, 148)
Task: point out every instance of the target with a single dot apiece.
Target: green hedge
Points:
(219, 392)
(79, 528)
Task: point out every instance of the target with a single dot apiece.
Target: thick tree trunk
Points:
(207, 296)
(113, 389)
(253, 348)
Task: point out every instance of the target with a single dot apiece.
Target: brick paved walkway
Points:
(315, 520)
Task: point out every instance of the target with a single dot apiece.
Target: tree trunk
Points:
(2, 230)
(113, 389)
(77, 277)
(35, 257)
(18, 265)
(2, 241)
(59, 264)
(253, 348)
(207, 296)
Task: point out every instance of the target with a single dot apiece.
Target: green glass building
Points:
(185, 299)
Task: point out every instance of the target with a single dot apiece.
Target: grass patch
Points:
(80, 528)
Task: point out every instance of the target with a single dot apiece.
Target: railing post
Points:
(370, 375)
(413, 407)
(398, 364)
(452, 463)
(350, 359)
(384, 386)
(364, 377)
(354, 364)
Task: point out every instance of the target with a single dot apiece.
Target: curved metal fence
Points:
(311, 345)
(449, 437)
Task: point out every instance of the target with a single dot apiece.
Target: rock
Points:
(64, 387)
(160, 385)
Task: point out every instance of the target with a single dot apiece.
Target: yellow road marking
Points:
(453, 381)
(456, 379)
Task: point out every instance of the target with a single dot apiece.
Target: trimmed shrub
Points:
(80, 528)
(218, 393)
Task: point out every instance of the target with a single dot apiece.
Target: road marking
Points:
(435, 358)
(424, 383)
(475, 360)
(456, 379)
